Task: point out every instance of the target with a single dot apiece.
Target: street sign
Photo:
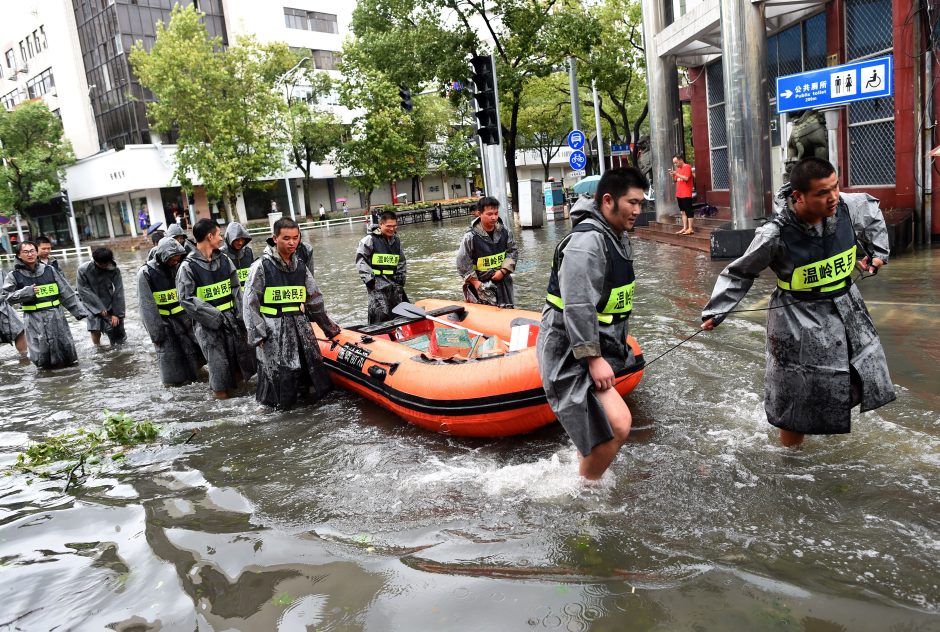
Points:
(577, 174)
(836, 85)
(577, 160)
(576, 139)
(619, 149)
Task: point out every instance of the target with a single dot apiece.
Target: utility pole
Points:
(597, 125)
(573, 86)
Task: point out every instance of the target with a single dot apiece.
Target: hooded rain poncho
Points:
(495, 292)
(10, 324)
(387, 290)
(102, 290)
(243, 258)
(289, 362)
(567, 338)
(221, 333)
(823, 354)
(47, 332)
(178, 352)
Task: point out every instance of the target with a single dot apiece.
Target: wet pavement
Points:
(343, 517)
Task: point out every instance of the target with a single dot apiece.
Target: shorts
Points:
(685, 205)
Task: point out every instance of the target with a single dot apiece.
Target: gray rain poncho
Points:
(496, 292)
(567, 338)
(178, 352)
(823, 355)
(175, 230)
(241, 258)
(385, 291)
(47, 332)
(102, 290)
(289, 362)
(10, 324)
(221, 334)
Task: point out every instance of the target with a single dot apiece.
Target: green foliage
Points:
(382, 144)
(64, 452)
(222, 103)
(544, 118)
(35, 153)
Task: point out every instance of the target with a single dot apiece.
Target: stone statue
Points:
(808, 138)
(645, 157)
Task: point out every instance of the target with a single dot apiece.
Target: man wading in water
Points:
(582, 343)
(823, 353)
(207, 288)
(281, 302)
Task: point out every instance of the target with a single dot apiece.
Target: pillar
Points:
(662, 80)
(744, 62)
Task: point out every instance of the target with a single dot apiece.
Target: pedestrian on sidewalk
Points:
(682, 175)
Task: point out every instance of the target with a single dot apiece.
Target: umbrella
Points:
(586, 186)
(340, 199)
(154, 227)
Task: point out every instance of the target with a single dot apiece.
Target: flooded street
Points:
(344, 517)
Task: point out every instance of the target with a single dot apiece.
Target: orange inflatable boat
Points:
(446, 380)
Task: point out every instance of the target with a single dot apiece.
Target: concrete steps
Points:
(664, 232)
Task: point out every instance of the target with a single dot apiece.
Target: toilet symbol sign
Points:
(836, 85)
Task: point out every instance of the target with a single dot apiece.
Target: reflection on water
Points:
(344, 517)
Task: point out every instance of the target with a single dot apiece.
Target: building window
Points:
(11, 60)
(10, 99)
(40, 84)
(868, 34)
(23, 52)
(310, 20)
(717, 127)
(326, 59)
(45, 41)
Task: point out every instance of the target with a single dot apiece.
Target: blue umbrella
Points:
(586, 186)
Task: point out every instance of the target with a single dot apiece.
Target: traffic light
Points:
(405, 95)
(485, 94)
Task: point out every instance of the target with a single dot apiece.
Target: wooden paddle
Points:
(409, 310)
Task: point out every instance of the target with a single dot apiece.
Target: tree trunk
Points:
(636, 132)
(307, 207)
(510, 148)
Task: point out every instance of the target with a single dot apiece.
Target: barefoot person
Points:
(823, 354)
(582, 344)
(682, 176)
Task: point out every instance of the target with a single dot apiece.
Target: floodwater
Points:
(343, 517)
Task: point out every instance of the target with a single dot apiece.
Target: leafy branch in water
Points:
(67, 452)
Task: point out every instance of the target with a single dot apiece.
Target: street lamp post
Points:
(288, 90)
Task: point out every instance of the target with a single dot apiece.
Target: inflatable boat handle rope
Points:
(861, 275)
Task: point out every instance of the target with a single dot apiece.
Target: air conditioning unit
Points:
(22, 68)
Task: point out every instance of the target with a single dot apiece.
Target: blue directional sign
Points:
(836, 85)
(619, 149)
(576, 139)
(577, 160)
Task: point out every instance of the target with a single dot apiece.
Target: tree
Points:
(380, 147)
(314, 132)
(34, 154)
(615, 62)
(221, 102)
(543, 125)
(430, 41)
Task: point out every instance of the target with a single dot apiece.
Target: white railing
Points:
(314, 224)
(62, 254)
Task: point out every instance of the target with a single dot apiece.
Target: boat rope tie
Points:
(861, 275)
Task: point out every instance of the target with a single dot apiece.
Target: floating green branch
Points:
(67, 452)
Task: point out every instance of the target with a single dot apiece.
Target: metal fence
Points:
(868, 33)
(62, 253)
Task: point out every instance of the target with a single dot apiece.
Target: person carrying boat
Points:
(281, 301)
(41, 291)
(11, 327)
(101, 288)
(207, 288)
(823, 354)
(486, 258)
(170, 328)
(382, 267)
(582, 342)
(237, 249)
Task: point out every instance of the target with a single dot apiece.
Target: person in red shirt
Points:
(682, 176)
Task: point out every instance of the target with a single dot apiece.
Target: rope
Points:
(861, 275)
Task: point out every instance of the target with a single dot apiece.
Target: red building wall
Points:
(906, 66)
